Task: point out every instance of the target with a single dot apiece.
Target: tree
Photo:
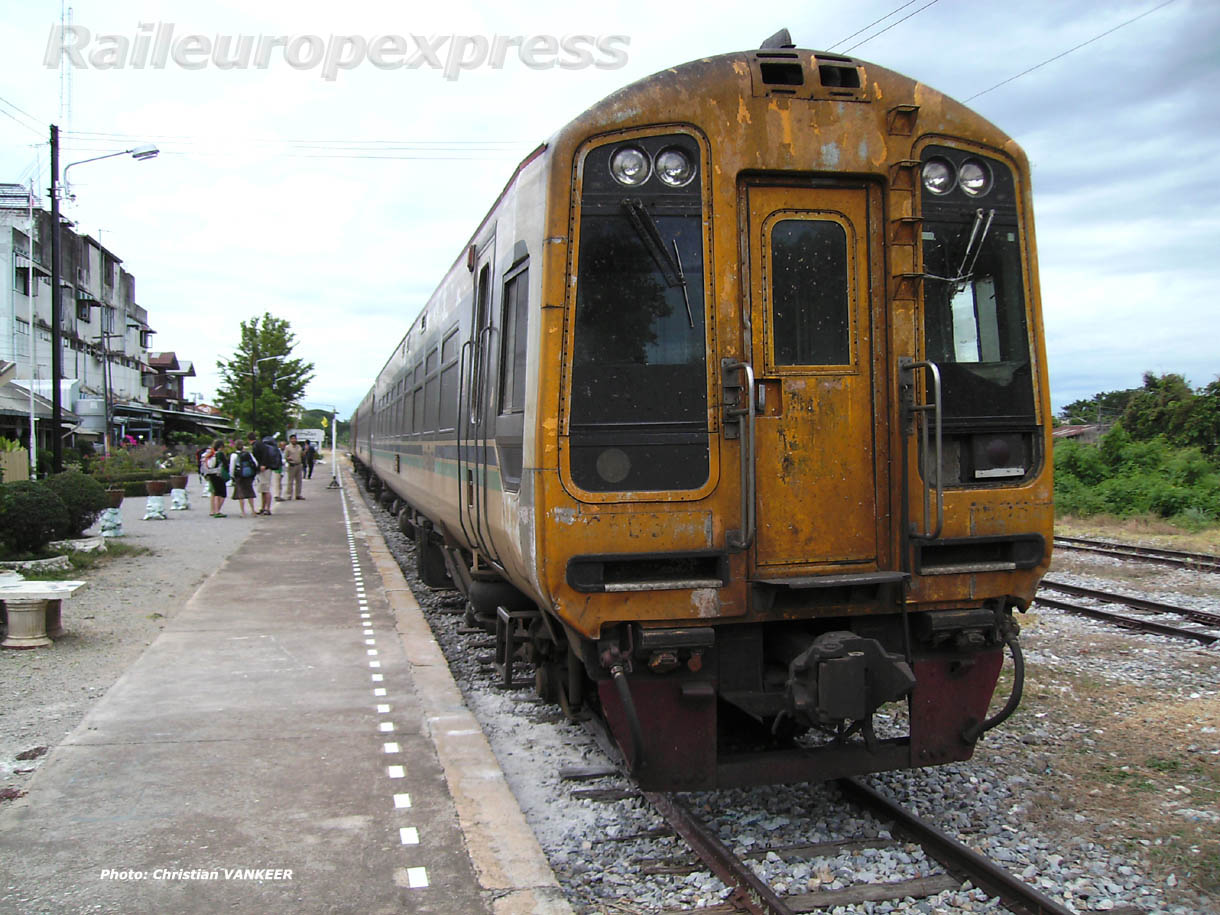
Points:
(1101, 408)
(1161, 407)
(262, 382)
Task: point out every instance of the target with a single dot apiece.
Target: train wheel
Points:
(571, 686)
(431, 564)
(404, 522)
(545, 685)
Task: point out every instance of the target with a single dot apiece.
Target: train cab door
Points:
(474, 413)
(819, 493)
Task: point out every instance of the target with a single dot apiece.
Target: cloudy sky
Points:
(337, 203)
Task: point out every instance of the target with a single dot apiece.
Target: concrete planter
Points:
(177, 481)
(114, 498)
(157, 487)
(52, 564)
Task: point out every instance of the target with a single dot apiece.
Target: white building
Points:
(105, 335)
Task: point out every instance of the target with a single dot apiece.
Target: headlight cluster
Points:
(973, 176)
(631, 166)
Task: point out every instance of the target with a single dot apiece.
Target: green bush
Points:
(83, 496)
(1124, 477)
(31, 515)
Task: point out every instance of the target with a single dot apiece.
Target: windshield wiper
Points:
(978, 235)
(671, 267)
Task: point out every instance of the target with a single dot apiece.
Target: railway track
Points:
(1201, 562)
(750, 894)
(1147, 617)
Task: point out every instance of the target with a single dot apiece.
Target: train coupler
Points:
(844, 677)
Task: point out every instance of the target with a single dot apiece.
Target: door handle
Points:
(743, 413)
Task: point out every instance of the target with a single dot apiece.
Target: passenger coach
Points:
(733, 416)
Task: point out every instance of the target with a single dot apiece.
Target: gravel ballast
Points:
(1026, 798)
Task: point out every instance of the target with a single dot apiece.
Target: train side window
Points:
(432, 393)
(449, 379)
(513, 343)
(810, 315)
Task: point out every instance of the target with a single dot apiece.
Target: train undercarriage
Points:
(699, 707)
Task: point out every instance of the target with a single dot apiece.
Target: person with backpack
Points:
(269, 464)
(216, 471)
(310, 457)
(243, 468)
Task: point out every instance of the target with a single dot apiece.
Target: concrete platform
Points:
(291, 742)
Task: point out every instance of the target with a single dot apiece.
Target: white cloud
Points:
(244, 212)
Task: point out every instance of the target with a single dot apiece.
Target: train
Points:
(732, 419)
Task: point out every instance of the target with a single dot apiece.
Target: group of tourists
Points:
(256, 467)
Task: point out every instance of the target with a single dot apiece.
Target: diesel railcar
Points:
(733, 416)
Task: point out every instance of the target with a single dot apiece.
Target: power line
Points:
(30, 119)
(1070, 50)
(871, 24)
(890, 26)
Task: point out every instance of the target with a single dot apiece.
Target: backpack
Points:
(271, 457)
(247, 467)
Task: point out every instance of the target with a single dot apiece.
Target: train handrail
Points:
(907, 365)
(745, 416)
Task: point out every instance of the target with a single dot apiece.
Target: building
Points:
(108, 381)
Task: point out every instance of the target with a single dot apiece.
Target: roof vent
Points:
(838, 76)
(779, 40)
(782, 74)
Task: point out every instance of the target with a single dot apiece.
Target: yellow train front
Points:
(753, 452)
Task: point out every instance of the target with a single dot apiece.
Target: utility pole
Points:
(57, 356)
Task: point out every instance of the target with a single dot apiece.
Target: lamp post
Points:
(147, 151)
(334, 443)
(254, 390)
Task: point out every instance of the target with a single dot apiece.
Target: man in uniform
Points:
(294, 454)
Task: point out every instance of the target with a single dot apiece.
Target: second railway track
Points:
(1147, 615)
(1202, 562)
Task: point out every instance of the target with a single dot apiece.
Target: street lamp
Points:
(146, 151)
(334, 443)
(254, 389)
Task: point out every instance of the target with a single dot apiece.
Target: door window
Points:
(810, 309)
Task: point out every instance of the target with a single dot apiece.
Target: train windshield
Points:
(974, 321)
(639, 362)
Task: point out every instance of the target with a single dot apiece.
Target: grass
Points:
(1146, 529)
(1149, 763)
(84, 562)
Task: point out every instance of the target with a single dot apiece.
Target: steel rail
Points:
(1128, 622)
(1137, 603)
(749, 892)
(1202, 562)
(961, 861)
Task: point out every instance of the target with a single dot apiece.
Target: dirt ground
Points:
(1137, 764)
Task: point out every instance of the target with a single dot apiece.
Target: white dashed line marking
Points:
(417, 877)
(409, 835)
(392, 748)
(379, 691)
(386, 727)
(402, 801)
(382, 709)
(396, 771)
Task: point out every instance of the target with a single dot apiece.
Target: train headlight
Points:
(613, 465)
(938, 176)
(674, 167)
(974, 178)
(630, 166)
